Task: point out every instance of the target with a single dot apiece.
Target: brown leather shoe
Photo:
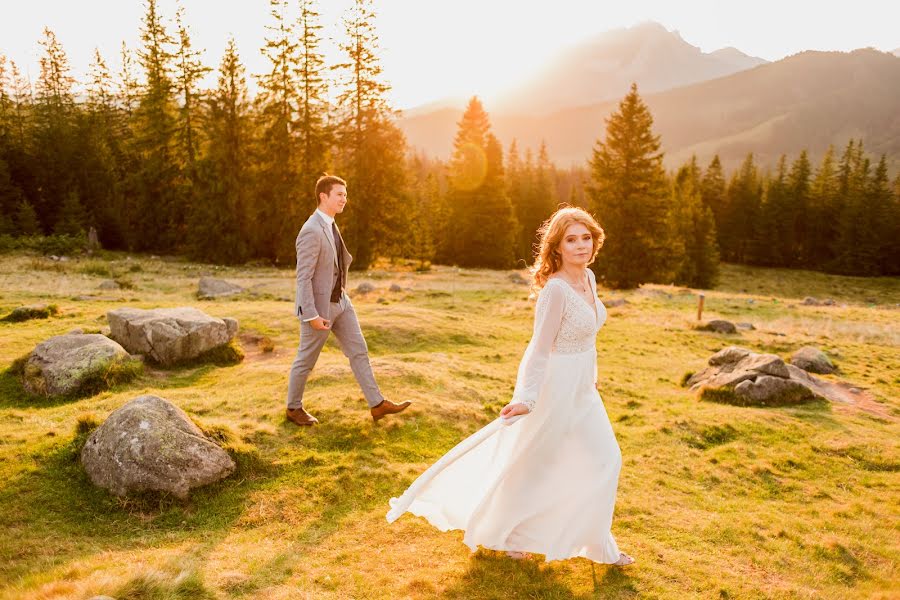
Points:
(387, 408)
(300, 417)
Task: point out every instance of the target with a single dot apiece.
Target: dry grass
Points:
(715, 501)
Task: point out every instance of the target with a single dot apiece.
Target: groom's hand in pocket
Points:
(320, 324)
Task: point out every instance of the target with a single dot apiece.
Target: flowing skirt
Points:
(544, 484)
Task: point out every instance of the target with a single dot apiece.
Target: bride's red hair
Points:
(551, 233)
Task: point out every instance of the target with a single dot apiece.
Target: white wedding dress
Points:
(545, 483)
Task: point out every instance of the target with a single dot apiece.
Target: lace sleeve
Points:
(593, 279)
(548, 315)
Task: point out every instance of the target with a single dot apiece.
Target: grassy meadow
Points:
(714, 501)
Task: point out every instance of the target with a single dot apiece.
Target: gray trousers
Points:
(346, 329)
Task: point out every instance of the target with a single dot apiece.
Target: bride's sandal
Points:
(516, 555)
(624, 560)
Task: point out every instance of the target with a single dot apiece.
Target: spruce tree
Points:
(797, 214)
(189, 70)
(54, 142)
(220, 219)
(483, 228)
(695, 232)
(743, 207)
(630, 198)
(712, 191)
(26, 219)
(276, 210)
(371, 148)
(311, 125)
(823, 213)
(157, 217)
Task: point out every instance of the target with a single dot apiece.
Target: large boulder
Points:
(210, 288)
(149, 444)
(67, 364)
(739, 376)
(810, 358)
(169, 336)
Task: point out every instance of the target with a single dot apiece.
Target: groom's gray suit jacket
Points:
(317, 269)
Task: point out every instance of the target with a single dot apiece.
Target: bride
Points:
(542, 477)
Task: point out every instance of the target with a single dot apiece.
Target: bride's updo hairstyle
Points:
(551, 233)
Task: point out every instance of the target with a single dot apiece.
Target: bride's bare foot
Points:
(624, 560)
(516, 555)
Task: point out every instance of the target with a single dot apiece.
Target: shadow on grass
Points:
(493, 575)
(56, 500)
(339, 471)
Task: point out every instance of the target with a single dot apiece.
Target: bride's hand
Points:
(512, 409)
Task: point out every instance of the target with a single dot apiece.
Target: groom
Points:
(323, 306)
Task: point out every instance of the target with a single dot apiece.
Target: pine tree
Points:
(100, 129)
(372, 148)
(878, 220)
(10, 198)
(312, 105)
(630, 198)
(797, 214)
(695, 233)
(127, 86)
(743, 208)
(823, 213)
(55, 146)
(852, 255)
(891, 258)
(72, 217)
(159, 208)
(276, 211)
(26, 219)
(712, 191)
(189, 71)
(220, 219)
(483, 228)
(771, 230)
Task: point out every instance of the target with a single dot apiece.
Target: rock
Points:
(149, 444)
(615, 302)
(364, 288)
(745, 326)
(109, 284)
(32, 311)
(811, 301)
(766, 389)
(169, 336)
(517, 278)
(210, 288)
(382, 300)
(770, 364)
(65, 363)
(736, 375)
(396, 288)
(728, 356)
(719, 326)
(810, 358)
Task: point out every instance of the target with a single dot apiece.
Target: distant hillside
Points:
(808, 100)
(603, 68)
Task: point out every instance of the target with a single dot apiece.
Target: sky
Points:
(433, 49)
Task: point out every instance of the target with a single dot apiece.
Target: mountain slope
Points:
(808, 100)
(603, 68)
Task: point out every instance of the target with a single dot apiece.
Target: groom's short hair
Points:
(325, 183)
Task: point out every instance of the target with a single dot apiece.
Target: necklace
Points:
(580, 284)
